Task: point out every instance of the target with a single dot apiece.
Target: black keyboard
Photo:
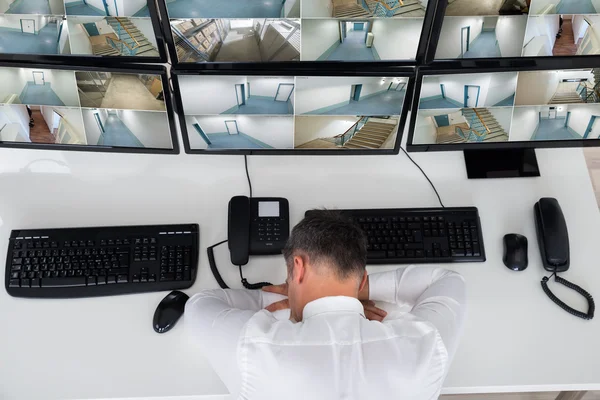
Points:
(421, 235)
(83, 262)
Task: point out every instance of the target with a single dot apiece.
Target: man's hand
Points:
(279, 289)
(373, 313)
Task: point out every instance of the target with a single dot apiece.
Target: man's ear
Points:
(299, 269)
(363, 281)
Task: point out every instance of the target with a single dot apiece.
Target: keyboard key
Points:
(111, 279)
(63, 282)
(391, 253)
(14, 283)
(122, 279)
(400, 253)
(419, 253)
(457, 252)
(374, 254)
(91, 281)
(169, 276)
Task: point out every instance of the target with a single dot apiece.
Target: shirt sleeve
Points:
(436, 295)
(215, 319)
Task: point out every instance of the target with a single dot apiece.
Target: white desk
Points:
(515, 339)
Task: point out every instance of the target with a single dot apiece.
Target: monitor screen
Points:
(527, 106)
(100, 28)
(83, 110)
(295, 30)
(519, 28)
(291, 113)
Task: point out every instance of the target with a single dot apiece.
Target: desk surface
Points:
(515, 339)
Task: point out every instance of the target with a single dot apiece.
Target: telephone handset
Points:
(553, 240)
(256, 226)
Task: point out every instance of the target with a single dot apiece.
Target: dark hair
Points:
(325, 235)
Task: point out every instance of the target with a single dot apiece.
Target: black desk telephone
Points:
(256, 226)
(553, 240)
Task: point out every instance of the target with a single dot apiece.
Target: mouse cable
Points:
(591, 304)
(248, 174)
(219, 278)
(426, 177)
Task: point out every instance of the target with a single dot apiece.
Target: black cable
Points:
(248, 174)
(591, 304)
(252, 286)
(426, 177)
(213, 265)
(219, 278)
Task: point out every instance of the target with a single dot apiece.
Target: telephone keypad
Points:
(269, 229)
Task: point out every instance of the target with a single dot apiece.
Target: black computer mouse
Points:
(169, 310)
(515, 251)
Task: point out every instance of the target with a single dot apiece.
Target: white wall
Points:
(425, 128)
(509, 33)
(267, 85)
(145, 26)
(503, 115)
(4, 4)
(318, 35)
(64, 85)
(289, 7)
(538, 5)
(313, 93)
(150, 127)
(544, 29)
(71, 115)
(92, 130)
(501, 86)
(502, 82)
(525, 121)
(63, 44)
(17, 114)
(580, 118)
(100, 6)
(14, 21)
(12, 82)
(316, 9)
(431, 87)
(79, 39)
(129, 7)
(403, 33)
(275, 131)
(57, 7)
(315, 127)
(537, 87)
(208, 94)
(450, 37)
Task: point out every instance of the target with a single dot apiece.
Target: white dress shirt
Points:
(335, 352)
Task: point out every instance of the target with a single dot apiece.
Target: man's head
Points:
(325, 255)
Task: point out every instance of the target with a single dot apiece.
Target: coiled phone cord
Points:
(219, 278)
(591, 305)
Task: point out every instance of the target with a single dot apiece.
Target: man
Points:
(328, 349)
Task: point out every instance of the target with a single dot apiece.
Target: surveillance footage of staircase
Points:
(377, 8)
(242, 40)
(367, 133)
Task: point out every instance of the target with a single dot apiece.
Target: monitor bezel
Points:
(420, 57)
(473, 66)
(131, 69)
(397, 72)
(90, 59)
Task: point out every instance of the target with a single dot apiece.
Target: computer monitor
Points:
(296, 30)
(75, 31)
(518, 28)
(86, 109)
(541, 104)
(278, 113)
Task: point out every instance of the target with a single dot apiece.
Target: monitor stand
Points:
(501, 163)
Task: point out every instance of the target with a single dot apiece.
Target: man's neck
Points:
(332, 288)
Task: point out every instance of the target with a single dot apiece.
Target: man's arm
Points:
(215, 319)
(435, 294)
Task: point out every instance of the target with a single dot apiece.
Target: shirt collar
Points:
(332, 304)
